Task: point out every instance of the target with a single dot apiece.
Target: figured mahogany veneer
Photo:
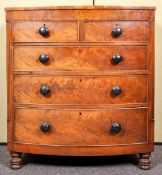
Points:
(58, 31)
(80, 127)
(80, 81)
(102, 31)
(80, 58)
(80, 90)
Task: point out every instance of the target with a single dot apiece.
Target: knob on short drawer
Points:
(116, 90)
(116, 59)
(117, 31)
(44, 90)
(43, 58)
(116, 127)
(43, 31)
(45, 127)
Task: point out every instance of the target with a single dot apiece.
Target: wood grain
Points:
(80, 90)
(83, 150)
(80, 106)
(77, 14)
(80, 127)
(102, 31)
(79, 58)
(61, 31)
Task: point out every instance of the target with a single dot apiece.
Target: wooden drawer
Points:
(60, 31)
(80, 89)
(79, 58)
(80, 127)
(75, 100)
(101, 31)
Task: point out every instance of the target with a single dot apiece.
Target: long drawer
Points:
(34, 58)
(80, 89)
(58, 31)
(80, 127)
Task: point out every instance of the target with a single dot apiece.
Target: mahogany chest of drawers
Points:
(80, 81)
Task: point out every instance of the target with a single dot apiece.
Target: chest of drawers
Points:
(80, 81)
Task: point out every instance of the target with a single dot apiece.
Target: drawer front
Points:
(79, 58)
(103, 31)
(80, 14)
(80, 127)
(63, 31)
(80, 89)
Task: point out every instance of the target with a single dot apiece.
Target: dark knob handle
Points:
(117, 59)
(116, 128)
(117, 31)
(43, 58)
(44, 90)
(43, 31)
(45, 127)
(116, 90)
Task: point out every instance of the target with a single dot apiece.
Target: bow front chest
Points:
(80, 81)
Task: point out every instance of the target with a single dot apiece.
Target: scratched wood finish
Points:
(64, 31)
(79, 58)
(80, 75)
(80, 127)
(102, 31)
(80, 90)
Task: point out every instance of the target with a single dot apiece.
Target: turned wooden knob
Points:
(116, 59)
(116, 127)
(44, 90)
(117, 31)
(43, 31)
(116, 90)
(45, 127)
(43, 58)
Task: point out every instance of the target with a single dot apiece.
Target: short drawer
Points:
(80, 89)
(58, 31)
(104, 31)
(80, 127)
(37, 58)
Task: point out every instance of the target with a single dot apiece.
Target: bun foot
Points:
(16, 160)
(145, 161)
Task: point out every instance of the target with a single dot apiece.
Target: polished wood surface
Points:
(80, 90)
(58, 31)
(144, 161)
(80, 127)
(80, 13)
(80, 110)
(80, 58)
(99, 150)
(102, 31)
(16, 160)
